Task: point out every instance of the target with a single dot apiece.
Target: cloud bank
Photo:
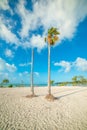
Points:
(64, 64)
(80, 64)
(4, 66)
(63, 14)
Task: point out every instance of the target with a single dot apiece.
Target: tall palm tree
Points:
(52, 38)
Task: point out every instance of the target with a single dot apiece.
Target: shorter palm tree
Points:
(32, 75)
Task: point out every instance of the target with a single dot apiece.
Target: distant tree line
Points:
(79, 80)
(76, 80)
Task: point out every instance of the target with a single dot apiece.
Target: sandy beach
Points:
(68, 112)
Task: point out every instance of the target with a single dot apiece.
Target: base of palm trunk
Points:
(31, 96)
(50, 97)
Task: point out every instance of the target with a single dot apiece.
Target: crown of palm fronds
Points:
(53, 31)
(52, 36)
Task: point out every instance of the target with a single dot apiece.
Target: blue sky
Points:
(24, 24)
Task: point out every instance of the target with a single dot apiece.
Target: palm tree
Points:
(74, 80)
(51, 82)
(32, 67)
(5, 81)
(52, 38)
(32, 75)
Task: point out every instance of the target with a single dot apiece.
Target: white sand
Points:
(68, 112)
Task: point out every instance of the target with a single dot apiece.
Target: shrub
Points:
(10, 86)
(1, 86)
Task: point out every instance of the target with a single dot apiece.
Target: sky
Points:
(24, 24)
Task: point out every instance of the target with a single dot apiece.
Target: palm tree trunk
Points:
(49, 85)
(32, 66)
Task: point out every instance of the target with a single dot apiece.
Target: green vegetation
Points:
(5, 81)
(63, 84)
(1, 85)
(79, 80)
(10, 86)
(51, 82)
(76, 81)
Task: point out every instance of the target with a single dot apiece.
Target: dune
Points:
(67, 112)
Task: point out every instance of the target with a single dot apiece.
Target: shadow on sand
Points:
(70, 93)
(64, 95)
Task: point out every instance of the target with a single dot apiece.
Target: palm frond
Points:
(53, 31)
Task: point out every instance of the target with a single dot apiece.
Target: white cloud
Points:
(38, 42)
(64, 14)
(81, 64)
(4, 5)
(4, 66)
(9, 53)
(64, 64)
(10, 68)
(27, 18)
(6, 34)
(25, 64)
(36, 73)
(26, 44)
(25, 73)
